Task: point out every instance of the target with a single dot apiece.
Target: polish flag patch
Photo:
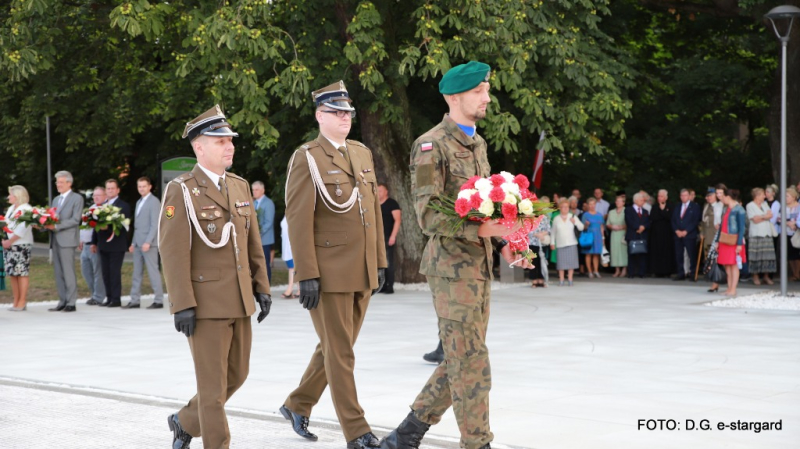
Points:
(427, 146)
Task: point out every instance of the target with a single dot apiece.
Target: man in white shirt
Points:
(602, 205)
(145, 246)
(90, 262)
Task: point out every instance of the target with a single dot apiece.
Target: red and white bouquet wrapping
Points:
(502, 197)
(38, 217)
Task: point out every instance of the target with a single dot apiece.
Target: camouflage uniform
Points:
(459, 275)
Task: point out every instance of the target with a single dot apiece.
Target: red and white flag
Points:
(538, 162)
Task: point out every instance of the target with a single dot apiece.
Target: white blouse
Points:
(763, 229)
(21, 230)
(564, 231)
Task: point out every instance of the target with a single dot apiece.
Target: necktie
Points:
(222, 189)
(639, 212)
(344, 152)
(58, 201)
(683, 210)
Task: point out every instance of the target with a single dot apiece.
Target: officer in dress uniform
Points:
(336, 232)
(214, 267)
(458, 267)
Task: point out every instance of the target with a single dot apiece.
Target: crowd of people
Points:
(655, 237)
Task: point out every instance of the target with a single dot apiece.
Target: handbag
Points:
(728, 239)
(716, 274)
(637, 247)
(586, 240)
(605, 258)
(796, 239)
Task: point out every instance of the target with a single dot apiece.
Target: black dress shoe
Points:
(69, 309)
(92, 302)
(299, 423)
(680, 278)
(366, 441)
(114, 304)
(180, 439)
(57, 308)
(155, 305)
(131, 306)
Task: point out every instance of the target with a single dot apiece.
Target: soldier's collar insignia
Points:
(196, 191)
(169, 212)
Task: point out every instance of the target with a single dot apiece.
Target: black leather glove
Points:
(185, 321)
(309, 293)
(381, 280)
(265, 302)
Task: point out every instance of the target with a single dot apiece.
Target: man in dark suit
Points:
(685, 222)
(637, 220)
(112, 248)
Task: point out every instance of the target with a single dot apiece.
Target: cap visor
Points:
(340, 105)
(221, 132)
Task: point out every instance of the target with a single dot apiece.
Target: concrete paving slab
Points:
(572, 367)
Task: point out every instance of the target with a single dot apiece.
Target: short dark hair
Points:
(721, 186)
(112, 180)
(383, 184)
(733, 194)
(145, 179)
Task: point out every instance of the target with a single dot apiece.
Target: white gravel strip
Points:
(771, 300)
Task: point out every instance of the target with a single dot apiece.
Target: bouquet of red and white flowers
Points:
(106, 216)
(4, 231)
(502, 197)
(37, 216)
(88, 220)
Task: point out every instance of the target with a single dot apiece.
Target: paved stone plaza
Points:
(572, 367)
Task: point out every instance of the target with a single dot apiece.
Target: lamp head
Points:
(782, 13)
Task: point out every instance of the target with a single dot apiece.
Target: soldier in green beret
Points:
(459, 269)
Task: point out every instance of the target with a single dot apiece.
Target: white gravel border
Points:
(771, 300)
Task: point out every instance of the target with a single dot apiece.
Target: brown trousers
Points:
(337, 320)
(221, 352)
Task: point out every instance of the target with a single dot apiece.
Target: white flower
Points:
(487, 208)
(483, 184)
(126, 222)
(114, 215)
(466, 194)
(526, 207)
(484, 194)
(507, 176)
(511, 199)
(510, 187)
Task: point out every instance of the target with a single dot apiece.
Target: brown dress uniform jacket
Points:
(337, 248)
(442, 160)
(211, 280)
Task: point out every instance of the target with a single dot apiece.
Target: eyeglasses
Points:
(342, 114)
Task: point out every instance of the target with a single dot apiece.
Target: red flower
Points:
(524, 193)
(534, 198)
(471, 183)
(497, 180)
(509, 211)
(5, 228)
(497, 194)
(475, 201)
(18, 214)
(92, 223)
(2, 218)
(42, 220)
(522, 181)
(462, 207)
(85, 218)
(52, 212)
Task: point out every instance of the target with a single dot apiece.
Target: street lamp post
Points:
(783, 12)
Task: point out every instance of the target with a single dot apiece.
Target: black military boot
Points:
(180, 439)
(366, 441)
(299, 423)
(408, 435)
(486, 447)
(437, 356)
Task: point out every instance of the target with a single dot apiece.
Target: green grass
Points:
(43, 283)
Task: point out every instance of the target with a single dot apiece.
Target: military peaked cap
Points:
(210, 123)
(334, 96)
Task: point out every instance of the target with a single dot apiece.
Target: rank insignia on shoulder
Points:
(196, 191)
(169, 212)
(427, 146)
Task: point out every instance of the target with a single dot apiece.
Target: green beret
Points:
(464, 77)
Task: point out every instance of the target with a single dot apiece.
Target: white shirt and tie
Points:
(141, 203)
(213, 176)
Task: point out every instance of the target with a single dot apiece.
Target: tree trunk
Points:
(792, 107)
(391, 146)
